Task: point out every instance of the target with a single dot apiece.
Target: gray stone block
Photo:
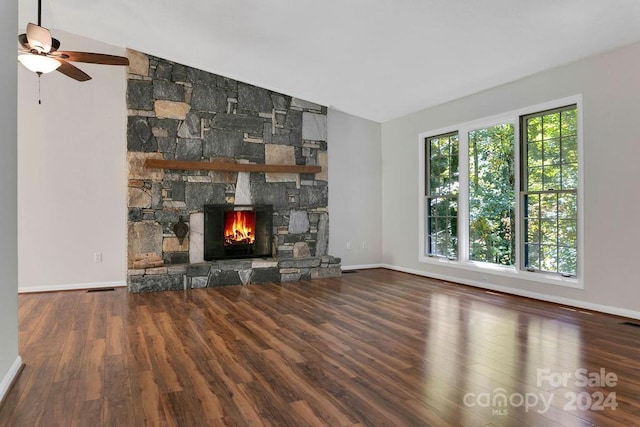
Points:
(167, 90)
(223, 143)
(177, 190)
(298, 222)
(196, 76)
(198, 194)
(189, 149)
(249, 124)
(254, 99)
(226, 83)
(166, 144)
(140, 95)
(199, 282)
(280, 102)
(163, 71)
(314, 196)
(170, 125)
(208, 98)
(199, 269)
(179, 73)
(139, 135)
(159, 282)
(290, 277)
(270, 194)
(299, 263)
(266, 275)
(314, 126)
(322, 237)
(190, 127)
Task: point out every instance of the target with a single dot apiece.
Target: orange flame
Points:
(239, 227)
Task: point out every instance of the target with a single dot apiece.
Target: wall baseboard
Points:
(361, 267)
(616, 311)
(73, 287)
(10, 377)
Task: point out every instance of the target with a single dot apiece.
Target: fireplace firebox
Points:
(237, 231)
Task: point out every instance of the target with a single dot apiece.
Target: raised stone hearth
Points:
(181, 113)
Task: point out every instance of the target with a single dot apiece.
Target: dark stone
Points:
(139, 135)
(266, 275)
(178, 257)
(190, 127)
(154, 282)
(200, 269)
(281, 102)
(313, 196)
(139, 95)
(208, 98)
(300, 262)
(163, 71)
(177, 190)
(163, 89)
(179, 73)
(221, 143)
(293, 238)
(198, 194)
(270, 194)
(253, 125)
(224, 278)
(226, 83)
(255, 99)
(135, 214)
(156, 195)
(234, 264)
(196, 76)
(166, 145)
(167, 219)
(294, 120)
(189, 149)
(170, 125)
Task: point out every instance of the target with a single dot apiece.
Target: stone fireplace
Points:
(197, 140)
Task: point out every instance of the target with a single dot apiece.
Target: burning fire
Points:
(239, 227)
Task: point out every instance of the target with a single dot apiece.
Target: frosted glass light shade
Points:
(39, 63)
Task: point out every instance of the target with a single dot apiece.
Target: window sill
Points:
(510, 272)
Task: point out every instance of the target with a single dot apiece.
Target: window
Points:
(503, 193)
(549, 187)
(491, 195)
(442, 195)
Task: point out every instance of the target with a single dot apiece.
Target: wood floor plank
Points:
(375, 347)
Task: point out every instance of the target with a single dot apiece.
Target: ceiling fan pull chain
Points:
(39, 97)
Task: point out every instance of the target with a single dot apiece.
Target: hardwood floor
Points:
(375, 347)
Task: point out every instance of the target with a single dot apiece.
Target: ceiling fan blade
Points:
(24, 42)
(39, 38)
(93, 58)
(72, 71)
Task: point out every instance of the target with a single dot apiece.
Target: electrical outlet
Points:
(97, 257)
(364, 245)
(349, 245)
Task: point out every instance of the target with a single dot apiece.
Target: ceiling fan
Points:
(39, 53)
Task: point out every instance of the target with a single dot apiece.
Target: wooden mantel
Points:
(229, 167)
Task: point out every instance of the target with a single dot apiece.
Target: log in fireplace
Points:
(237, 231)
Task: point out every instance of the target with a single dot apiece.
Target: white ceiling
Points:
(377, 59)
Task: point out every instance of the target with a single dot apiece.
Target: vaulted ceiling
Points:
(377, 59)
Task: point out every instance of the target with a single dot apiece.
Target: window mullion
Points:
(463, 196)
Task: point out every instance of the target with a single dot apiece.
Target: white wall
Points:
(355, 202)
(610, 85)
(72, 175)
(9, 359)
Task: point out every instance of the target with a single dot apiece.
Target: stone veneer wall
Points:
(181, 113)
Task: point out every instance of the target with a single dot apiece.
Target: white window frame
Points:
(463, 262)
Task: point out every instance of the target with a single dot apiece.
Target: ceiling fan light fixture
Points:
(40, 64)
